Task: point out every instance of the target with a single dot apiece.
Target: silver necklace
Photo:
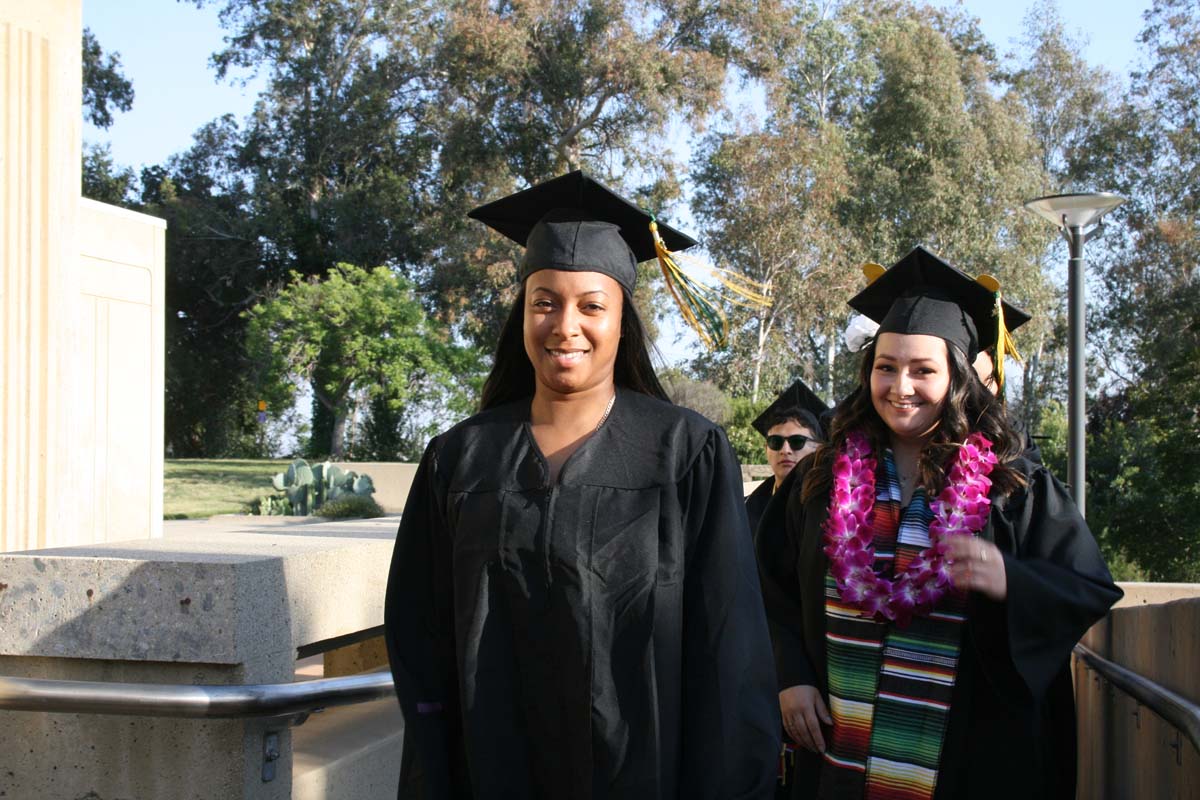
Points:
(607, 411)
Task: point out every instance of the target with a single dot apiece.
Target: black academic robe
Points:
(757, 501)
(1011, 732)
(602, 637)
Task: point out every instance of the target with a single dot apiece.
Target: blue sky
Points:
(165, 47)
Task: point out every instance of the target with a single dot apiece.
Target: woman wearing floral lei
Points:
(925, 583)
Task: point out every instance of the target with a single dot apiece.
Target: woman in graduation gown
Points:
(573, 609)
(924, 581)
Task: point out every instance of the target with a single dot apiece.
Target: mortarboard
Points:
(575, 223)
(921, 293)
(798, 395)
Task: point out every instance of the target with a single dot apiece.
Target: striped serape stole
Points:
(889, 687)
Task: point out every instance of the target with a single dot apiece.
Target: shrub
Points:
(271, 505)
(352, 506)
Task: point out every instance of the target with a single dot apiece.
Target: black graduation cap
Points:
(921, 293)
(798, 395)
(575, 223)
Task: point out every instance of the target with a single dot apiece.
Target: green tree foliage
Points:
(329, 167)
(354, 335)
(383, 122)
(771, 200)
(336, 140)
(940, 160)
(215, 271)
(103, 180)
(746, 442)
(1144, 469)
(1066, 101)
(700, 396)
(1065, 98)
(948, 162)
(105, 87)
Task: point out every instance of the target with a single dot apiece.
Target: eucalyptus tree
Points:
(943, 159)
(767, 201)
(771, 196)
(529, 89)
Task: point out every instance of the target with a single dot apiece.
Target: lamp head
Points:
(1074, 210)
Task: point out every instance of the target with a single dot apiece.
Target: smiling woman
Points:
(573, 576)
(925, 581)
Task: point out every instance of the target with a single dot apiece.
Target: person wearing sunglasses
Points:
(791, 428)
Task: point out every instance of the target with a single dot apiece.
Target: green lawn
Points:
(197, 488)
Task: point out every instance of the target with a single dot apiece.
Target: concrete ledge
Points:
(392, 480)
(228, 594)
(754, 473)
(350, 753)
(1141, 594)
(227, 601)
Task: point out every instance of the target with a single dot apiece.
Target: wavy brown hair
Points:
(969, 408)
(512, 376)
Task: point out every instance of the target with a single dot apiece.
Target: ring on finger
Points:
(982, 554)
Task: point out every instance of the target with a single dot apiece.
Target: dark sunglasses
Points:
(795, 441)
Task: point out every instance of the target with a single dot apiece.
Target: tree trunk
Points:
(337, 444)
(830, 354)
(1029, 392)
(759, 354)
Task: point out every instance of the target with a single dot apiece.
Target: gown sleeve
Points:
(419, 631)
(730, 720)
(776, 542)
(1058, 587)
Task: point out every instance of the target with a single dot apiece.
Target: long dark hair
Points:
(969, 408)
(512, 376)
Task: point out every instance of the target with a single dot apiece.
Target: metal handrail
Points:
(186, 700)
(1174, 708)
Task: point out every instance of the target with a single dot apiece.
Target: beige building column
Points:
(81, 311)
(40, 121)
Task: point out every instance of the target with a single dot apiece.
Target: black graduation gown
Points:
(756, 501)
(1011, 731)
(603, 637)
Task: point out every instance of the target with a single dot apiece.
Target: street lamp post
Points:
(1071, 214)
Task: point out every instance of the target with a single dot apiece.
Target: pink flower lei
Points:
(960, 510)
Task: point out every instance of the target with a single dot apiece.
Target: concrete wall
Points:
(119, 367)
(392, 480)
(1125, 750)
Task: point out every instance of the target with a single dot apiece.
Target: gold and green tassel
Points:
(701, 303)
(1005, 345)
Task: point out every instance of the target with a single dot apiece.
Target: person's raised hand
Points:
(977, 566)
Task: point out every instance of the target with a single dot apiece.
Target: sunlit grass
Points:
(198, 488)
